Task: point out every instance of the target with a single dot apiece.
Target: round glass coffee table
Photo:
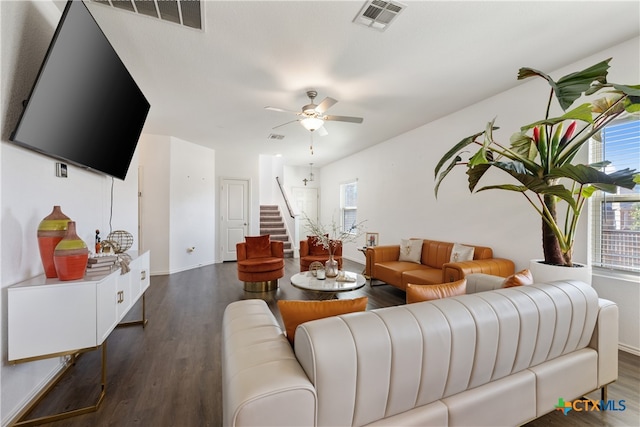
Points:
(346, 281)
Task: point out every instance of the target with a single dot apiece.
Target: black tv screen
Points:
(84, 108)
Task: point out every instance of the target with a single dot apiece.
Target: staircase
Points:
(271, 223)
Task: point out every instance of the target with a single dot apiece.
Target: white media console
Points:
(51, 318)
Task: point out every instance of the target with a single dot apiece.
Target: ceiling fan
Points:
(312, 116)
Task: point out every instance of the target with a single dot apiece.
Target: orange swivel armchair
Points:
(312, 250)
(260, 263)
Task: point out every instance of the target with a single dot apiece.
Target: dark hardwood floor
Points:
(169, 373)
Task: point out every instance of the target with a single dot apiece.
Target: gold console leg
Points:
(268, 285)
(142, 321)
(21, 422)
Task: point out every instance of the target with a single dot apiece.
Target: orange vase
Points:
(71, 255)
(51, 230)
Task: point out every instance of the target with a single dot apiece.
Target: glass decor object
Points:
(331, 267)
(51, 230)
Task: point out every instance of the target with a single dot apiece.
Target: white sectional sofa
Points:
(497, 358)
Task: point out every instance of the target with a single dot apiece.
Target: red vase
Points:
(51, 230)
(70, 255)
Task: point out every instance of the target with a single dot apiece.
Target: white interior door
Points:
(305, 199)
(234, 216)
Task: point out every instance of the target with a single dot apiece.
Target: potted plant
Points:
(330, 237)
(539, 157)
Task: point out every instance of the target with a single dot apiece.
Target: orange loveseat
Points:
(434, 267)
(312, 250)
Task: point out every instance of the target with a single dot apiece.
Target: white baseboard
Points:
(629, 349)
(178, 270)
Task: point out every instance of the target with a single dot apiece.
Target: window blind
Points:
(349, 203)
(615, 218)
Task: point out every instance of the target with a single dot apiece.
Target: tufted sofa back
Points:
(372, 365)
(435, 254)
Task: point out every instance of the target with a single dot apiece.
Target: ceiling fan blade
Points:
(280, 110)
(322, 131)
(292, 121)
(344, 119)
(325, 105)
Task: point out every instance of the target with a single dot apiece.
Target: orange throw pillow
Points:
(258, 246)
(520, 278)
(295, 313)
(419, 293)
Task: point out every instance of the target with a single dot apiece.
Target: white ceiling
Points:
(210, 87)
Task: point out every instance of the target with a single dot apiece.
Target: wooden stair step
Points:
(272, 223)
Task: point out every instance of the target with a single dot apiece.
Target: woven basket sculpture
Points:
(119, 241)
(314, 267)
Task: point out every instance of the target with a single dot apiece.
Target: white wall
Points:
(193, 204)
(625, 291)
(270, 168)
(178, 202)
(29, 188)
(154, 201)
(396, 184)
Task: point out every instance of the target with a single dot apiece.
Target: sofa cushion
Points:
(295, 312)
(420, 293)
(258, 246)
(392, 271)
(461, 253)
(260, 265)
(410, 250)
(423, 276)
(520, 278)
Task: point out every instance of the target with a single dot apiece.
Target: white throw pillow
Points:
(410, 250)
(461, 253)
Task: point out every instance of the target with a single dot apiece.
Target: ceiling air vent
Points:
(378, 14)
(275, 136)
(183, 12)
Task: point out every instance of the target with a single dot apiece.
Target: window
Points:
(348, 205)
(615, 218)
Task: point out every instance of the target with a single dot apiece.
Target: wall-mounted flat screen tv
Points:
(84, 108)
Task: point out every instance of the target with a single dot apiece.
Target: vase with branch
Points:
(540, 155)
(331, 237)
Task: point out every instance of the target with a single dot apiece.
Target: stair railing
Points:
(293, 224)
(286, 199)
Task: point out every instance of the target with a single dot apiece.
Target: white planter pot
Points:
(548, 273)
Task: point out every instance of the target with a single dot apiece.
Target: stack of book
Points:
(98, 265)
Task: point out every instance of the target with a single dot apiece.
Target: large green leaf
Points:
(526, 72)
(572, 86)
(582, 113)
(523, 145)
(531, 182)
(584, 175)
(444, 173)
(479, 158)
(631, 90)
(543, 188)
(455, 150)
(476, 173)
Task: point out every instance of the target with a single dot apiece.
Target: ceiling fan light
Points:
(312, 123)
